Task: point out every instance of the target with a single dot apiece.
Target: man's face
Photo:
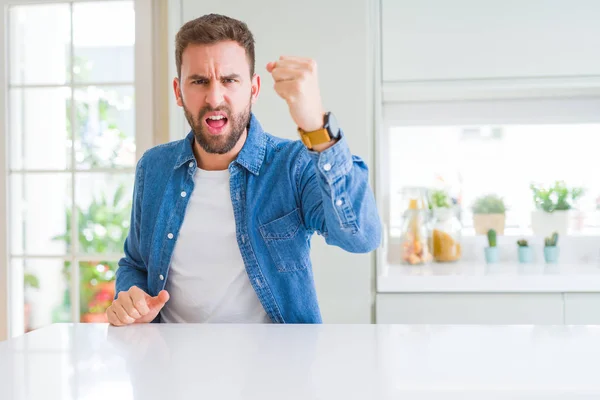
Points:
(216, 92)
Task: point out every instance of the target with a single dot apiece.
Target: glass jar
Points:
(415, 228)
(446, 235)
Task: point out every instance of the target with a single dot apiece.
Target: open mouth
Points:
(216, 123)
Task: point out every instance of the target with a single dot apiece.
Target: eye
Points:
(200, 82)
(229, 80)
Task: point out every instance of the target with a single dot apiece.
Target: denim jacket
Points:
(282, 194)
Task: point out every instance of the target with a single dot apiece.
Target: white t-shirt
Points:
(207, 280)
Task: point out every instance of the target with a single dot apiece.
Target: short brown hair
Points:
(211, 29)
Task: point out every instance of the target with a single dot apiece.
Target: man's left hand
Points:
(296, 81)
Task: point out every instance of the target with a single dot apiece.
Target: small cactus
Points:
(522, 243)
(551, 241)
(491, 234)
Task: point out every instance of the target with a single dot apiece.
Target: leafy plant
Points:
(102, 228)
(31, 281)
(522, 243)
(489, 204)
(439, 199)
(555, 198)
(551, 241)
(491, 235)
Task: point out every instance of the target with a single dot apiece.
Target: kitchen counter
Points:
(481, 277)
(193, 361)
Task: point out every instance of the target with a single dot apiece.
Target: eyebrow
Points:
(195, 77)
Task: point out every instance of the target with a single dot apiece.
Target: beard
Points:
(219, 144)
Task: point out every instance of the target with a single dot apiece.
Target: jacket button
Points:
(339, 203)
(162, 278)
(327, 167)
(183, 194)
(191, 164)
(170, 236)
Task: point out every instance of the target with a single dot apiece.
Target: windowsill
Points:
(481, 277)
(576, 249)
(516, 233)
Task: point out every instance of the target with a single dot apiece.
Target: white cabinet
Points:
(582, 308)
(470, 308)
(426, 40)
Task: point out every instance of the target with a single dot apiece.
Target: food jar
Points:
(446, 235)
(415, 228)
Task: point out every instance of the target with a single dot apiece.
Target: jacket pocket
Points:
(287, 242)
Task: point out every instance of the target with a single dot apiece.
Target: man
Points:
(222, 220)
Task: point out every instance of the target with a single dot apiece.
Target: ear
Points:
(255, 88)
(177, 90)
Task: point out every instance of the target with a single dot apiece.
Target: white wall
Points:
(336, 33)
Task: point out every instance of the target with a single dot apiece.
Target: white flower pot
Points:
(484, 222)
(545, 224)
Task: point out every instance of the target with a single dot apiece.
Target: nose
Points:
(214, 95)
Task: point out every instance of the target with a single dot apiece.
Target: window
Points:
(472, 161)
(72, 141)
(479, 147)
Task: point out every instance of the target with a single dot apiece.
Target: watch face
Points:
(332, 126)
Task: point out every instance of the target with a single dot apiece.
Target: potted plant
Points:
(489, 212)
(491, 252)
(551, 249)
(552, 208)
(524, 251)
(439, 199)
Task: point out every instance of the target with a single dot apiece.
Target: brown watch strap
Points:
(313, 138)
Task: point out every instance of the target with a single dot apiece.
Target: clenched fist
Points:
(296, 81)
(135, 306)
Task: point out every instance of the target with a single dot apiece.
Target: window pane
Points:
(39, 128)
(103, 40)
(97, 289)
(105, 126)
(39, 44)
(46, 291)
(505, 160)
(104, 205)
(39, 213)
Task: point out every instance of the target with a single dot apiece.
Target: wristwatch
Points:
(327, 133)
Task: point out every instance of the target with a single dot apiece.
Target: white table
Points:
(283, 362)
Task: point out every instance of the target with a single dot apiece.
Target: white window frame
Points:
(149, 131)
(4, 277)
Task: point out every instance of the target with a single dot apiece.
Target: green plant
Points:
(31, 281)
(102, 228)
(491, 235)
(522, 243)
(555, 198)
(489, 204)
(551, 241)
(439, 199)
